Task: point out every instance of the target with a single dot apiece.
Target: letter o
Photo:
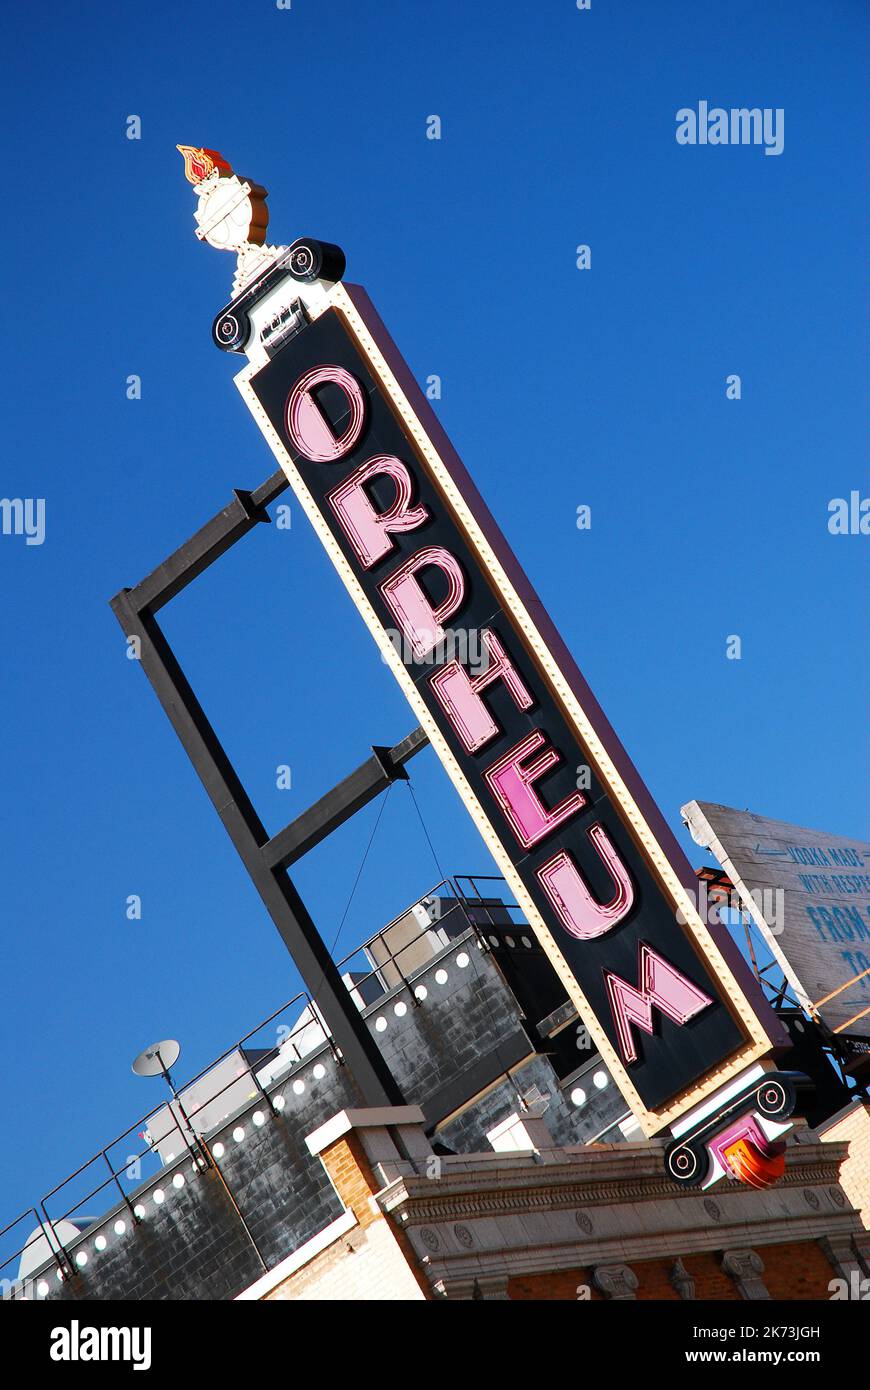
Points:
(307, 426)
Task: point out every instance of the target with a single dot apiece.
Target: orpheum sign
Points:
(590, 859)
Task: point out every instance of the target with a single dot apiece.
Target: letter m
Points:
(661, 987)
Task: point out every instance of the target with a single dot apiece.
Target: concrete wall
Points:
(193, 1244)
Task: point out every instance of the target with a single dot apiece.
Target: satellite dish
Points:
(158, 1058)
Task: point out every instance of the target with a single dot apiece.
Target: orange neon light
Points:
(199, 163)
(751, 1166)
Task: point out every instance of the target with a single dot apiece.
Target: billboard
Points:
(588, 855)
(809, 893)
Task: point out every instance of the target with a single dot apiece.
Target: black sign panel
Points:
(674, 1055)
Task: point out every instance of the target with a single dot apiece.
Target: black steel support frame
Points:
(266, 859)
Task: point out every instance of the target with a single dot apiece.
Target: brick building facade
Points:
(507, 1175)
(581, 1223)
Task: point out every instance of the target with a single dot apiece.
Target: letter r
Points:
(367, 529)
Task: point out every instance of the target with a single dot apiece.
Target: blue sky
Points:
(560, 388)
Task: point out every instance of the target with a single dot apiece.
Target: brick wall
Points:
(796, 1271)
(374, 1261)
(799, 1271)
(854, 1126)
(711, 1281)
(561, 1284)
(362, 1267)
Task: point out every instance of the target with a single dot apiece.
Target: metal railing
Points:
(191, 1140)
(465, 911)
(460, 915)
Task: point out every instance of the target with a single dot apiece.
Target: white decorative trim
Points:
(375, 1116)
(300, 1257)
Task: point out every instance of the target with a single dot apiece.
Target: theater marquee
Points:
(591, 861)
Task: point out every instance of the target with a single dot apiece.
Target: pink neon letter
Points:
(578, 911)
(368, 530)
(662, 985)
(459, 693)
(512, 786)
(308, 427)
(419, 621)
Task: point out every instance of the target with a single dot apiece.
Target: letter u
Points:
(580, 913)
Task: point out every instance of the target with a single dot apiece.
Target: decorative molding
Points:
(571, 1191)
(861, 1246)
(681, 1280)
(842, 1254)
(617, 1282)
(458, 1289)
(746, 1267)
(492, 1286)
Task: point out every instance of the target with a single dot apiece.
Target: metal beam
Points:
(332, 810)
(239, 516)
(244, 827)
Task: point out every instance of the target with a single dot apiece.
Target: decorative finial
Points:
(231, 212)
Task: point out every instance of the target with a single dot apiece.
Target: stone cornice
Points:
(557, 1185)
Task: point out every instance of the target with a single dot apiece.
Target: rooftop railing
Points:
(391, 965)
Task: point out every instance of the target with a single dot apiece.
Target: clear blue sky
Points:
(560, 388)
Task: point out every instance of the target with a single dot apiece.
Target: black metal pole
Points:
(244, 827)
